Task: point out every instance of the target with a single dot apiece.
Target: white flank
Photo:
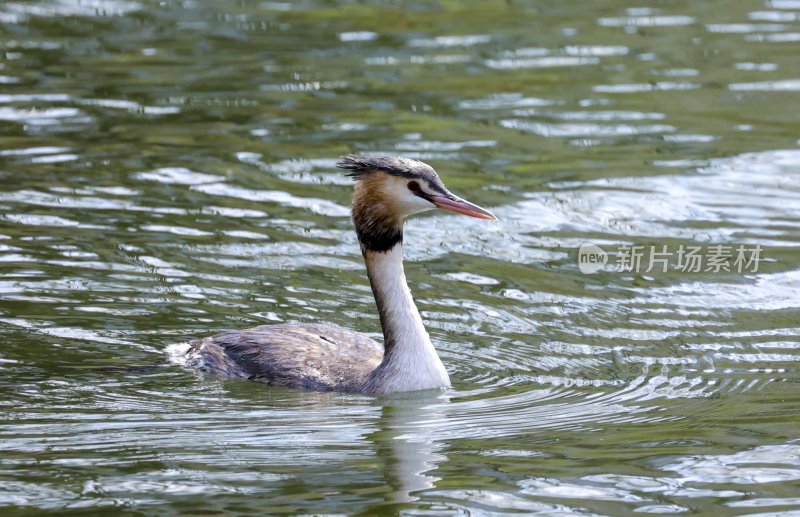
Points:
(177, 353)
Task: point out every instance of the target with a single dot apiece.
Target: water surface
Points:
(167, 170)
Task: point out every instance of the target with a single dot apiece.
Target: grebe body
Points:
(331, 358)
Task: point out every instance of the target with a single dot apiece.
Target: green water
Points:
(167, 172)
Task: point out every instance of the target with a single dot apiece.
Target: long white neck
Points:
(410, 362)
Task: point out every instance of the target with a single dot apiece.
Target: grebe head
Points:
(389, 189)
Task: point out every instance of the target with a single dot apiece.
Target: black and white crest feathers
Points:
(360, 166)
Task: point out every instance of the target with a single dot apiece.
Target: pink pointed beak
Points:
(461, 206)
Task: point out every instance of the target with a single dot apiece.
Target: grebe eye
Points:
(413, 186)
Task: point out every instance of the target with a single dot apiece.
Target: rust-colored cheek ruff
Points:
(377, 227)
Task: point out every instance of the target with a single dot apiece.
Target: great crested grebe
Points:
(332, 358)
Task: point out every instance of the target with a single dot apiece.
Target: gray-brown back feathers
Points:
(315, 356)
